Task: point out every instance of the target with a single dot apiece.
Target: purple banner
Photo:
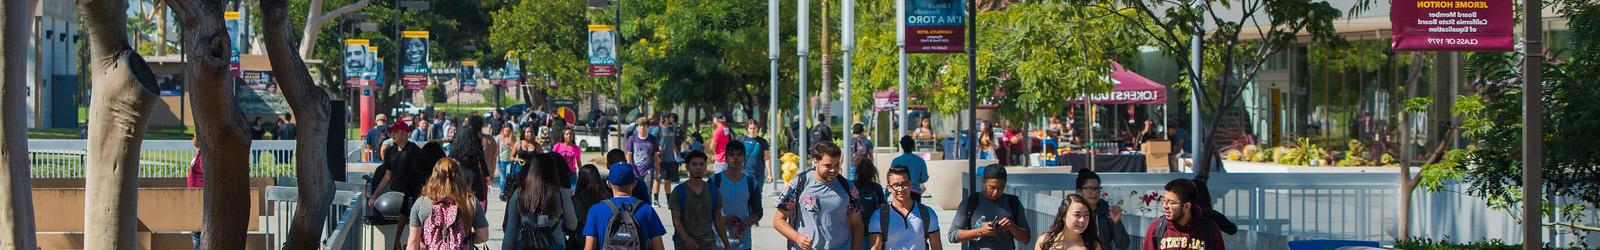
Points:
(935, 39)
(1448, 25)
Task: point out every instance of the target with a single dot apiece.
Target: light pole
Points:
(802, 48)
(1532, 130)
(772, 83)
(1196, 145)
(972, 96)
(847, 44)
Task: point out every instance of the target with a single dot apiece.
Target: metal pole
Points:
(618, 56)
(847, 44)
(972, 97)
(1195, 58)
(900, 41)
(803, 14)
(772, 84)
(1532, 151)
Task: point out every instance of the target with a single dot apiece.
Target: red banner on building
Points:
(1452, 25)
(602, 70)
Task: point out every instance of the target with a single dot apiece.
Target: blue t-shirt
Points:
(736, 195)
(755, 157)
(906, 231)
(918, 167)
(600, 217)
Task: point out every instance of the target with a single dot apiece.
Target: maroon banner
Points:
(1452, 25)
(602, 70)
(414, 82)
(355, 82)
(935, 39)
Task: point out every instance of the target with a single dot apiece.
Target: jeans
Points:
(744, 241)
(507, 169)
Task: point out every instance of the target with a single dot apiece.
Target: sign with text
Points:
(935, 26)
(414, 63)
(1452, 25)
(602, 50)
(232, 21)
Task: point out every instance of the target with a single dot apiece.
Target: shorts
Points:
(669, 171)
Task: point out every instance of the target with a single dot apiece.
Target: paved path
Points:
(764, 235)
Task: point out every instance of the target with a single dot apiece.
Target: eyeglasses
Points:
(1092, 188)
(1174, 203)
(900, 186)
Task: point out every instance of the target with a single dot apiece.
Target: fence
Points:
(1274, 208)
(163, 158)
(344, 214)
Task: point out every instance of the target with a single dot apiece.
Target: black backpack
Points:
(538, 230)
(622, 231)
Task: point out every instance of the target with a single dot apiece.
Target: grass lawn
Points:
(156, 133)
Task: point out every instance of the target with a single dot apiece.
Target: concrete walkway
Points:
(764, 236)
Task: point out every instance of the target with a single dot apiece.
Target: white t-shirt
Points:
(907, 231)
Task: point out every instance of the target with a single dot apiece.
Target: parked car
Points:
(407, 108)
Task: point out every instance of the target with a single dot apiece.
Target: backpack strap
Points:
(755, 198)
(883, 221)
(1161, 229)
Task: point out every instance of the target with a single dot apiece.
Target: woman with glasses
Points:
(1107, 219)
(904, 223)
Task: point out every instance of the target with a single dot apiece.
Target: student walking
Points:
(447, 216)
(619, 222)
(819, 211)
(1181, 226)
(741, 197)
(541, 213)
(697, 218)
(904, 224)
(990, 219)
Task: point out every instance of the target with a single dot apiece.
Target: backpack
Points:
(883, 218)
(750, 184)
(536, 231)
(622, 231)
(443, 231)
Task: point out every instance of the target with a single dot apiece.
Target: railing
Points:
(163, 158)
(1274, 208)
(344, 214)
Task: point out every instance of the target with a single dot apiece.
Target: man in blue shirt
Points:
(755, 148)
(621, 180)
(918, 166)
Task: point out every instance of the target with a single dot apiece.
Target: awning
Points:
(1131, 88)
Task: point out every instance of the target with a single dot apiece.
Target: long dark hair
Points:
(591, 187)
(1058, 226)
(467, 148)
(866, 173)
(539, 194)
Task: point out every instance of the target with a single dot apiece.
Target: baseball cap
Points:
(399, 126)
(621, 174)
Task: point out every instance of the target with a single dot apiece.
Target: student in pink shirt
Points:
(566, 149)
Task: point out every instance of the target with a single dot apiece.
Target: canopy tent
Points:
(1130, 88)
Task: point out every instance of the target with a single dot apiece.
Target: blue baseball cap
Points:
(621, 174)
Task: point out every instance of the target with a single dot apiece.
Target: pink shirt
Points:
(571, 152)
(719, 143)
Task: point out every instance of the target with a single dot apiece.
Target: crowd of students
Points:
(553, 203)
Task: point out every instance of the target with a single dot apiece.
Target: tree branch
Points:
(1574, 226)
(314, 22)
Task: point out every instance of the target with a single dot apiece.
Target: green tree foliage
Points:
(1032, 58)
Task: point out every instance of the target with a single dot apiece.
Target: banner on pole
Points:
(602, 50)
(356, 62)
(414, 63)
(374, 73)
(1452, 25)
(232, 21)
(935, 26)
(469, 76)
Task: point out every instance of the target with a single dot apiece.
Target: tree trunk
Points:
(124, 93)
(16, 210)
(827, 75)
(224, 143)
(310, 104)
